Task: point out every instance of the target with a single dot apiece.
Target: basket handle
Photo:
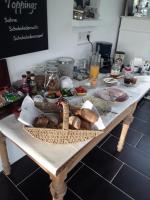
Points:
(65, 115)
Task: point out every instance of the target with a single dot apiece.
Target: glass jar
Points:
(94, 70)
(129, 79)
(115, 70)
(82, 64)
(51, 82)
(65, 66)
(39, 69)
(51, 63)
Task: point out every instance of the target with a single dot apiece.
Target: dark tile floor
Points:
(103, 174)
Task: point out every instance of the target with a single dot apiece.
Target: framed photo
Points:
(81, 3)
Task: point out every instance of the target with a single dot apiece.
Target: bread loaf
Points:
(87, 114)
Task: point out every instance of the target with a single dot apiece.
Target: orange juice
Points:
(94, 71)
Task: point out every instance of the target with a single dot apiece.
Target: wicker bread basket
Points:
(64, 135)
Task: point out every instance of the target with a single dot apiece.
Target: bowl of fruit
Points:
(80, 91)
(52, 97)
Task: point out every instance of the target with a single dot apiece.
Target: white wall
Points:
(110, 10)
(134, 38)
(63, 41)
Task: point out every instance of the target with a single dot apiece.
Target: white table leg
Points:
(58, 187)
(4, 155)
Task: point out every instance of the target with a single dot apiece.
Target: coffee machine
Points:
(104, 49)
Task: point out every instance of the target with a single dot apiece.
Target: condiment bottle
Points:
(33, 86)
(28, 77)
(25, 87)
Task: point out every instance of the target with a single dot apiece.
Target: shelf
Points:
(85, 23)
(136, 24)
(90, 23)
(136, 18)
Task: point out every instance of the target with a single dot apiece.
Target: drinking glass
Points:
(94, 72)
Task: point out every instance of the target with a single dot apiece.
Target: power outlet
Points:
(82, 37)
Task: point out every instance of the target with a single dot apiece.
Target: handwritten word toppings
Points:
(19, 6)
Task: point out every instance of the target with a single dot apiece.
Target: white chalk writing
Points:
(10, 20)
(27, 37)
(23, 28)
(19, 6)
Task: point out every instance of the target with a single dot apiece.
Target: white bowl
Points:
(52, 100)
(110, 81)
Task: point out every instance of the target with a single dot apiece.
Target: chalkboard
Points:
(4, 74)
(23, 27)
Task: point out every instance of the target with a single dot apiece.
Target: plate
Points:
(112, 94)
(101, 105)
(81, 94)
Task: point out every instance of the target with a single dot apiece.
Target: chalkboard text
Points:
(19, 6)
(10, 20)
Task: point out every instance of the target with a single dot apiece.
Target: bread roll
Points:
(75, 122)
(41, 121)
(60, 126)
(87, 114)
(44, 122)
(85, 125)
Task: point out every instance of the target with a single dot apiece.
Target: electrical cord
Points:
(88, 38)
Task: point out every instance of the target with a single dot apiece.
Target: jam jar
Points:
(129, 80)
(115, 71)
(51, 80)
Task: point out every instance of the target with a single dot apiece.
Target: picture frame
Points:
(81, 3)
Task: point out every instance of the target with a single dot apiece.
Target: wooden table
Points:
(58, 160)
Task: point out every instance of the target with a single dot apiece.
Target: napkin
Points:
(28, 112)
(98, 125)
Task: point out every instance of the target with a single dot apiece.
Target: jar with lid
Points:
(39, 69)
(51, 82)
(129, 78)
(51, 63)
(115, 70)
(65, 66)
